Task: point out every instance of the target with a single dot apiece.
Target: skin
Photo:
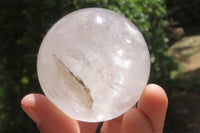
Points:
(148, 117)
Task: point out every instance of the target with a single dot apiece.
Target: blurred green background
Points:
(171, 30)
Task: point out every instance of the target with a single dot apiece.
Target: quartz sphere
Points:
(93, 64)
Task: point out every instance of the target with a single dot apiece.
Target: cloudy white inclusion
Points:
(120, 52)
(133, 31)
(119, 61)
(121, 81)
(99, 20)
(123, 63)
(128, 41)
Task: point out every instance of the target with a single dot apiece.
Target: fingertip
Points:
(158, 91)
(28, 100)
(28, 103)
(154, 95)
(153, 103)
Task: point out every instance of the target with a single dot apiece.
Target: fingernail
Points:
(33, 115)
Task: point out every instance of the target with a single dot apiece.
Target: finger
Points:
(86, 127)
(47, 116)
(153, 103)
(134, 121)
(112, 126)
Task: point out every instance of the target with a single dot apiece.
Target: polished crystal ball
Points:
(93, 64)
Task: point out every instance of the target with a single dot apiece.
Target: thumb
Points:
(47, 116)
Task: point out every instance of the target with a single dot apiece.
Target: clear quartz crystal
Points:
(93, 64)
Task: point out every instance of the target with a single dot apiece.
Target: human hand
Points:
(148, 117)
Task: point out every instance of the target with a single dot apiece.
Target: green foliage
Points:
(24, 24)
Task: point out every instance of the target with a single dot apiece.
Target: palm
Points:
(147, 118)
